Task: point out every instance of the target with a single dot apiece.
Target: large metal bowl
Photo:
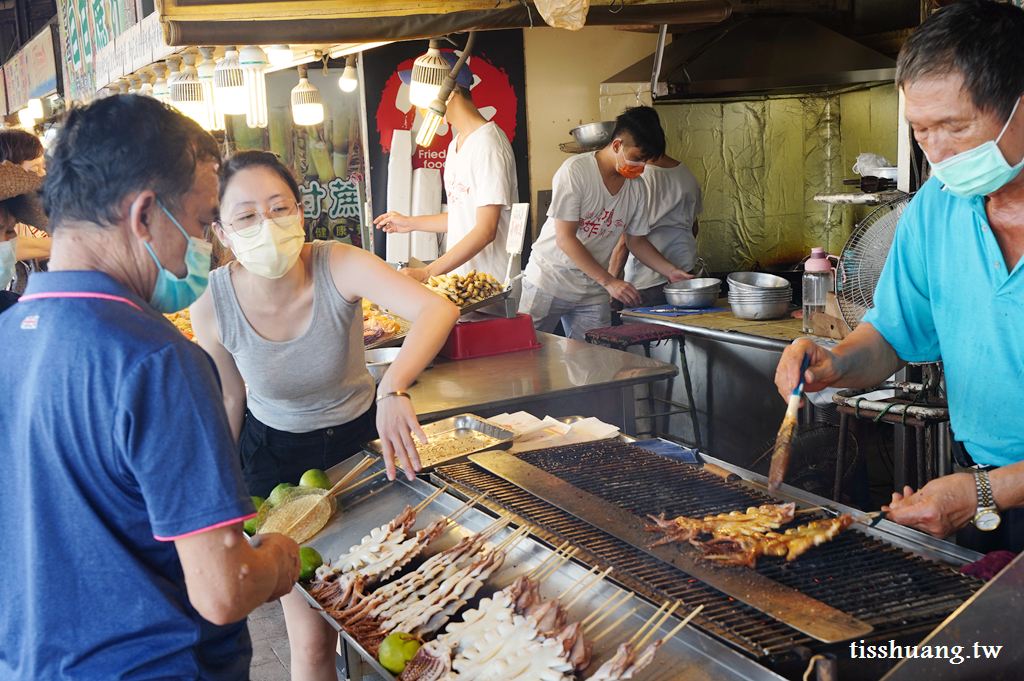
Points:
(686, 294)
(767, 296)
(756, 280)
(379, 359)
(593, 134)
(759, 311)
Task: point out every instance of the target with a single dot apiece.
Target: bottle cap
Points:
(818, 262)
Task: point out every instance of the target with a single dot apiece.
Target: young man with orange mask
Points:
(595, 198)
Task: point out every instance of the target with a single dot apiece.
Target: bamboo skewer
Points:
(655, 627)
(544, 567)
(352, 474)
(556, 552)
(470, 503)
(590, 627)
(426, 502)
(592, 572)
(557, 564)
(589, 617)
(641, 630)
(613, 625)
(600, 578)
(514, 537)
(361, 482)
(809, 510)
(684, 622)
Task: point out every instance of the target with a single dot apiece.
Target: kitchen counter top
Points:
(559, 378)
(774, 334)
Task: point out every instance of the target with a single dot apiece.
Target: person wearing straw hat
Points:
(24, 149)
(121, 482)
(19, 203)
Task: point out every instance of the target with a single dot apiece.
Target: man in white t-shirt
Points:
(480, 181)
(673, 203)
(596, 197)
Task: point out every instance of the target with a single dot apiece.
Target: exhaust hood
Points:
(760, 56)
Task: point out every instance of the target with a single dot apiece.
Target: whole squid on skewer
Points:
(752, 522)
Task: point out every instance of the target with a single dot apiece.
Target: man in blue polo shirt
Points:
(953, 286)
(123, 499)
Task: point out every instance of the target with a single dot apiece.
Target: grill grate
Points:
(889, 588)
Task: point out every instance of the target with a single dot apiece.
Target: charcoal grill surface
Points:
(888, 587)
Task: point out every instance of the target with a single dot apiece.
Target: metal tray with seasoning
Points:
(454, 439)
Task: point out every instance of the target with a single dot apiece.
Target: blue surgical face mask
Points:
(978, 171)
(172, 294)
(7, 261)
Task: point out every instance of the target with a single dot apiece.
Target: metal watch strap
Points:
(984, 488)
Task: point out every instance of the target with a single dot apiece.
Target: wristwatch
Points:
(986, 518)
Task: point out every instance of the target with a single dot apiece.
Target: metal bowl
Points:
(756, 280)
(759, 311)
(694, 284)
(766, 296)
(690, 297)
(593, 134)
(379, 359)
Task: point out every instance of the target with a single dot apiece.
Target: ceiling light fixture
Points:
(206, 69)
(428, 72)
(279, 55)
(229, 84)
(349, 80)
(437, 108)
(187, 93)
(252, 59)
(307, 105)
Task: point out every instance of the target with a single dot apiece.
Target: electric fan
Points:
(864, 254)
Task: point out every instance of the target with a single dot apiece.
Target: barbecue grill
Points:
(901, 583)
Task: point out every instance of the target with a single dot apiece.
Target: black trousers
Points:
(270, 457)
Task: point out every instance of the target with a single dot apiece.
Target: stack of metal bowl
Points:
(756, 295)
(693, 293)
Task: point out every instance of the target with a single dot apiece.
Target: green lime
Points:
(276, 494)
(396, 651)
(315, 477)
(311, 560)
(250, 525)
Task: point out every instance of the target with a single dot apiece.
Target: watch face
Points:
(987, 521)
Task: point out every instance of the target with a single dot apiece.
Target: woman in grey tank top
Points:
(284, 327)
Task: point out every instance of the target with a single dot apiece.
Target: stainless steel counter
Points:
(561, 378)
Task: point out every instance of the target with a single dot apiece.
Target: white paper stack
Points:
(400, 192)
(426, 200)
(534, 433)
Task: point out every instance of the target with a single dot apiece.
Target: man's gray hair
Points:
(981, 40)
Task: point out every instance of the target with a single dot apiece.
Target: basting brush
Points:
(784, 441)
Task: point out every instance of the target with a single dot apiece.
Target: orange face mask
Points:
(627, 168)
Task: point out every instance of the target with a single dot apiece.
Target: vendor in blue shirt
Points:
(953, 286)
(123, 550)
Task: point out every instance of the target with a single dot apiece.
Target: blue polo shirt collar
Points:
(85, 281)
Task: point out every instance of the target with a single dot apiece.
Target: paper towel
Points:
(400, 192)
(426, 200)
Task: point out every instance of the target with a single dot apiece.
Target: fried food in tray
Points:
(183, 321)
(378, 325)
(465, 290)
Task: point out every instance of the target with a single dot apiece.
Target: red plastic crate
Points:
(490, 337)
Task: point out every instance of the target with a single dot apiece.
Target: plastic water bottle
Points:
(817, 282)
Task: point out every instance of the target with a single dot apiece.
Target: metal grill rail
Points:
(895, 591)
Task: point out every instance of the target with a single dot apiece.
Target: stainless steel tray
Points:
(490, 300)
(455, 438)
(691, 654)
(393, 340)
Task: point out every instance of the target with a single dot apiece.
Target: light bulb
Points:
(428, 128)
(35, 107)
(252, 59)
(205, 70)
(26, 118)
(279, 55)
(229, 84)
(349, 80)
(428, 72)
(188, 94)
(307, 105)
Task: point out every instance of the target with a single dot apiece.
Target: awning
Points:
(223, 22)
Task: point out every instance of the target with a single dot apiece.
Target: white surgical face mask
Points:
(272, 247)
(7, 261)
